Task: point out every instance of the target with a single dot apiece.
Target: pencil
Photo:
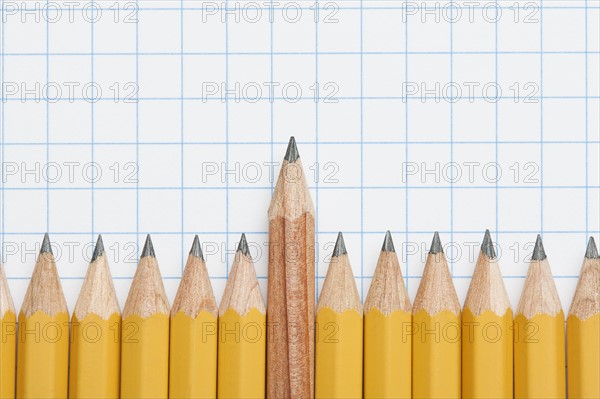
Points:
(43, 355)
(539, 348)
(193, 365)
(291, 284)
(145, 332)
(339, 344)
(242, 332)
(95, 334)
(487, 338)
(436, 342)
(583, 330)
(8, 339)
(388, 318)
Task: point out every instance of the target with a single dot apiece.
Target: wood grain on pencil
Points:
(291, 284)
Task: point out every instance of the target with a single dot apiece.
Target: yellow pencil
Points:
(145, 333)
(388, 318)
(436, 342)
(43, 354)
(583, 330)
(95, 334)
(242, 332)
(193, 354)
(339, 341)
(487, 338)
(539, 328)
(8, 339)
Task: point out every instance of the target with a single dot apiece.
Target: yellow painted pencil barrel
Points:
(339, 350)
(242, 351)
(95, 357)
(8, 345)
(8, 339)
(43, 356)
(193, 371)
(487, 355)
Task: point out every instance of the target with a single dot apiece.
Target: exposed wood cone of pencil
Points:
(8, 339)
(95, 334)
(436, 340)
(145, 332)
(388, 342)
(339, 343)
(291, 284)
(583, 330)
(242, 331)
(539, 328)
(193, 366)
(487, 338)
(43, 346)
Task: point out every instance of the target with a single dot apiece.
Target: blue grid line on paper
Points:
(362, 190)
(451, 135)
(296, 53)
(587, 193)
(311, 8)
(47, 121)
(391, 187)
(317, 174)
(324, 99)
(2, 126)
(496, 121)
(227, 134)
(182, 164)
(137, 130)
(541, 119)
(406, 142)
(260, 143)
(92, 137)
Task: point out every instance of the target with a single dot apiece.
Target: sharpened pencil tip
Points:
(591, 251)
(99, 249)
(148, 248)
(538, 250)
(487, 246)
(340, 246)
(197, 248)
(436, 244)
(243, 246)
(388, 244)
(292, 155)
(46, 247)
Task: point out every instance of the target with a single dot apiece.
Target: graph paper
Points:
(124, 118)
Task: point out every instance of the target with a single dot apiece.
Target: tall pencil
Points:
(291, 284)
(436, 342)
(339, 343)
(487, 338)
(242, 332)
(8, 339)
(388, 318)
(193, 365)
(145, 332)
(43, 354)
(583, 330)
(95, 334)
(539, 329)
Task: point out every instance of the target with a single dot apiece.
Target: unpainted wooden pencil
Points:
(291, 284)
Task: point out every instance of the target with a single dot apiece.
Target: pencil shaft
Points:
(95, 357)
(8, 346)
